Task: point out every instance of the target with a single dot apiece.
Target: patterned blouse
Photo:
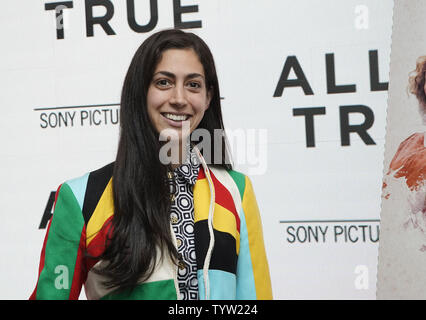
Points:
(182, 218)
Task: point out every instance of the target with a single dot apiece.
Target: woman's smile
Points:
(175, 119)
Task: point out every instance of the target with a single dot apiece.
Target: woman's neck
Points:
(182, 154)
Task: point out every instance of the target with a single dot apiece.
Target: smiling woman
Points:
(141, 229)
(178, 92)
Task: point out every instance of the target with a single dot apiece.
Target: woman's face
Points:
(177, 92)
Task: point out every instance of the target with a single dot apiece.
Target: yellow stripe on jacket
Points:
(256, 244)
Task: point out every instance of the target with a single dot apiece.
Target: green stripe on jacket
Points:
(62, 247)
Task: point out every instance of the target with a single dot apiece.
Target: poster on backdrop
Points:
(303, 87)
(402, 246)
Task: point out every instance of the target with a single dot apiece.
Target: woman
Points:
(140, 228)
(409, 162)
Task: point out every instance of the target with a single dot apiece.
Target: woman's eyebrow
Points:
(173, 76)
(194, 75)
(165, 73)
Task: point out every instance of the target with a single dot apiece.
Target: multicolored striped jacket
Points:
(231, 258)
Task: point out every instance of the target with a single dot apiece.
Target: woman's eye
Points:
(194, 85)
(163, 82)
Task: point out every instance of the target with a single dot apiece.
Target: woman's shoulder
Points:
(96, 178)
(88, 188)
(231, 178)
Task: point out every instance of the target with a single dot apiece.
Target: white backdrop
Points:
(330, 188)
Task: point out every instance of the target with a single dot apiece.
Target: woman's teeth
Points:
(175, 117)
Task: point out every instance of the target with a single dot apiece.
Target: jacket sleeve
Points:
(253, 278)
(61, 271)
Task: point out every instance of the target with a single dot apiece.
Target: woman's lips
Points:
(175, 123)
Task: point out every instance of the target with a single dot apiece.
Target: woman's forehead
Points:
(180, 61)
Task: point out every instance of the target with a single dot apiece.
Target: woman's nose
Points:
(178, 97)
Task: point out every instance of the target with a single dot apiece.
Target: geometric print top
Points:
(182, 218)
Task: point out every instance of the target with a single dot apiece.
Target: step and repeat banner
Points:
(304, 95)
(402, 250)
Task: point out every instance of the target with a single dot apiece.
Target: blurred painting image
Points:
(402, 246)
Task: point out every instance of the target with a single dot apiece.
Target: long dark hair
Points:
(141, 221)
